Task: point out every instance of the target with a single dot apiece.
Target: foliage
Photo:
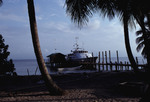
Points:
(6, 67)
(140, 42)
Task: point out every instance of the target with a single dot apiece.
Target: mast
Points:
(76, 44)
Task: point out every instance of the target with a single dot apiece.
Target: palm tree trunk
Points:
(51, 86)
(128, 48)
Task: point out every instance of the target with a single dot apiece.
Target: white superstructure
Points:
(79, 54)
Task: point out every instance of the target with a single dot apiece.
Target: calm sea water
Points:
(29, 66)
(23, 67)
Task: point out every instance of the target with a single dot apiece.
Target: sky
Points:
(57, 32)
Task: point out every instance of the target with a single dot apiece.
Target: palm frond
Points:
(139, 39)
(131, 21)
(80, 10)
(139, 47)
(107, 8)
(139, 32)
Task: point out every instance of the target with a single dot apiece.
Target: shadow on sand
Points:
(102, 85)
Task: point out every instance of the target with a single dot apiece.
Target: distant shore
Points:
(85, 87)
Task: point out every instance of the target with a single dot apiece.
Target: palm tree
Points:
(140, 11)
(81, 10)
(125, 12)
(51, 86)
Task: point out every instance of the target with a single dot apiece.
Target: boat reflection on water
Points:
(72, 61)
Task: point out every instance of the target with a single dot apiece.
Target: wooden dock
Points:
(105, 63)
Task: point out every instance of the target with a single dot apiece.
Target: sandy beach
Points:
(82, 87)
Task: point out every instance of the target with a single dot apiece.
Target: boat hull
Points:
(90, 60)
(87, 63)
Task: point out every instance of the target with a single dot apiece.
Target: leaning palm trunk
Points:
(51, 86)
(128, 48)
(146, 96)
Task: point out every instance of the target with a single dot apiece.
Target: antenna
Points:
(76, 44)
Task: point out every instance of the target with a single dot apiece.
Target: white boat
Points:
(80, 55)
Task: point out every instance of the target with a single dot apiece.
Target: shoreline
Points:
(87, 87)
